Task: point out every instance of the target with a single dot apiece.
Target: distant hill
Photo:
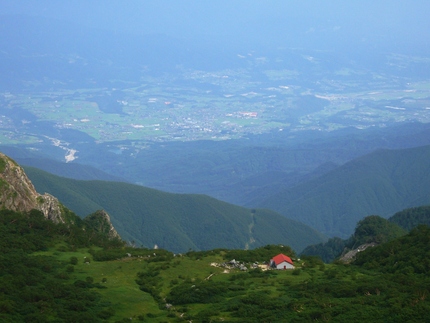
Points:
(69, 170)
(244, 171)
(399, 255)
(412, 217)
(258, 188)
(383, 182)
(176, 222)
(372, 229)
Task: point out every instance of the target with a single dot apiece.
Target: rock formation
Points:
(100, 222)
(17, 193)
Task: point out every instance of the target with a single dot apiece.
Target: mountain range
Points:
(111, 279)
(331, 201)
(380, 183)
(176, 222)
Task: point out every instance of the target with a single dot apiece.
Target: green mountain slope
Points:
(400, 255)
(372, 230)
(235, 171)
(242, 172)
(412, 217)
(382, 183)
(175, 222)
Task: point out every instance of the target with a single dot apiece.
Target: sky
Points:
(271, 22)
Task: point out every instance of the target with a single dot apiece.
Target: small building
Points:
(281, 261)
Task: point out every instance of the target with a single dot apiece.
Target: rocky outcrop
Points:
(349, 256)
(51, 208)
(17, 193)
(100, 222)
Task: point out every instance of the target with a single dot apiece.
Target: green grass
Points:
(123, 293)
(121, 290)
(187, 288)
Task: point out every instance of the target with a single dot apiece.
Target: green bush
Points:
(297, 272)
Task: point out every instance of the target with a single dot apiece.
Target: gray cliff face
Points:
(50, 207)
(17, 193)
(349, 256)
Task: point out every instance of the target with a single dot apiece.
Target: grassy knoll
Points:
(117, 281)
(121, 289)
(114, 281)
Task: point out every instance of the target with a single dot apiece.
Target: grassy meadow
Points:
(58, 273)
(117, 279)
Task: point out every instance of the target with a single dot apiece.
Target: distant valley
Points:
(279, 128)
(193, 161)
(331, 202)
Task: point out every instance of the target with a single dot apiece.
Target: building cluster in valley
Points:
(281, 262)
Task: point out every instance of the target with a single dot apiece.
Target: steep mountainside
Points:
(17, 193)
(382, 183)
(176, 222)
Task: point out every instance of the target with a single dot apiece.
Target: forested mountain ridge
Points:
(372, 230)
(383, 182)
(176, 222)
(412, 217)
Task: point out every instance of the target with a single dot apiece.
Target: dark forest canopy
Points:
(374, 230)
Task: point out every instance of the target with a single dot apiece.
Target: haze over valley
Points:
(252, 104)
(214, 161)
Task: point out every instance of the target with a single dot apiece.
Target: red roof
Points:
(281, 258)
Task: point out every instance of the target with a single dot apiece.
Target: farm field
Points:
(188, 105)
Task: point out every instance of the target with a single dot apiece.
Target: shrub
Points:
(297, 271)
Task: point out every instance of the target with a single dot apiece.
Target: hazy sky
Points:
(275, 22)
